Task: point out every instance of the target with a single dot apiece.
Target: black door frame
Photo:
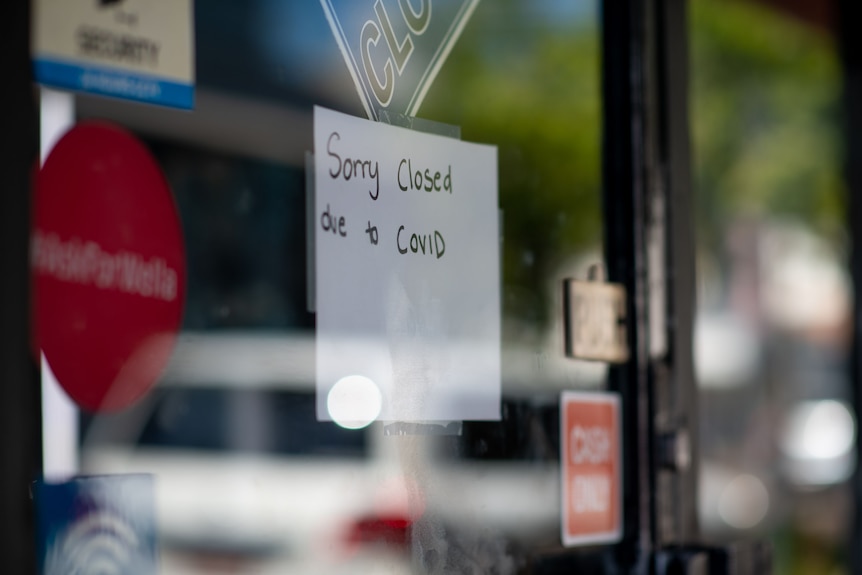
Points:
(20, 393)
(850, 45)
(649, 248)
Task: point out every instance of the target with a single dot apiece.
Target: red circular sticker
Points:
(109, 266)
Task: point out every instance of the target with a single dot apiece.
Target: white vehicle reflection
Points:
(246, 475)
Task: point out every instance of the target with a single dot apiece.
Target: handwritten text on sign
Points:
(408, 273)
(590, 457)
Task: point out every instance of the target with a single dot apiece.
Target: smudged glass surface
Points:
(246, 478)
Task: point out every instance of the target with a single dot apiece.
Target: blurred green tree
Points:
(765, 123)
(765, 102)
(530, 84)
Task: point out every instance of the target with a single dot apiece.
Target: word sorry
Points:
(349, 168)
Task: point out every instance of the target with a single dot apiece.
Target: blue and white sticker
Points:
(407, 281)
(395, 48)
(102, 524)
(140, 50)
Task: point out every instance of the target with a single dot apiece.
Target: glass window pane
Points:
(247, 478)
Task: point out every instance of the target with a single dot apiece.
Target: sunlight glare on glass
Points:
(829, 430)
(354, 402)
(823, 429)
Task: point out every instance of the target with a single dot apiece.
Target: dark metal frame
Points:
(624, 49)
(677, 408)
(649, 249)
(20, 395)
(851, 56)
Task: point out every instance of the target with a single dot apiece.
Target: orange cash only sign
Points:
(590, 463)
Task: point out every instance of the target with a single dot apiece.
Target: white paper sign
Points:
(407, 274)
(135, 49)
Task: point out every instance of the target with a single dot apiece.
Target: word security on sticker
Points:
(139, 50)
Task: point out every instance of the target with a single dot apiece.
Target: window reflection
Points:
(247, 479)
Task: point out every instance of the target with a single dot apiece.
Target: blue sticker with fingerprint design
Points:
(104, 525)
